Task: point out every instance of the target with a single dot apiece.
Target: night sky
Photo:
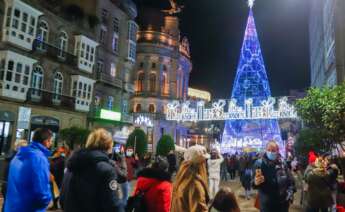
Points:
(215, 29)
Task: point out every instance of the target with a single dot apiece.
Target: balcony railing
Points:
(109, 80)
(152, 116)
(129, 87)
(54, 52)
(49, 99)
(127, 118)
(151, 94)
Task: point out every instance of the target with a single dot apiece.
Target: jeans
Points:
(125, 191)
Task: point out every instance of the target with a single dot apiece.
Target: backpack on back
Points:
(136, 203)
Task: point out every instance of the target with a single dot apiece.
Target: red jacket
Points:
(157, 187)
(131, 165)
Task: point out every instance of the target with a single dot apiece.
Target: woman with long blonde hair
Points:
(190, 192)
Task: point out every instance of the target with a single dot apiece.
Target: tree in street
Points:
(165, 145)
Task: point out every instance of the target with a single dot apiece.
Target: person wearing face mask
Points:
(90, 183)
(273, 180)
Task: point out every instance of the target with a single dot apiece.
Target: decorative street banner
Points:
(267, 109)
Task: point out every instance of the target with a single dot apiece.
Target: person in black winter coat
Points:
(90, 181)
(274, 181)
(171, 157)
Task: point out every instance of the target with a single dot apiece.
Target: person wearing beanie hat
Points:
(156, 184)
(191, 188)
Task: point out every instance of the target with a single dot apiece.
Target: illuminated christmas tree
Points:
(251, 82)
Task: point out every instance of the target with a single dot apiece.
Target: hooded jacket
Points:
(90, 183)
(190, 188)
(158, 187)
(28, 187)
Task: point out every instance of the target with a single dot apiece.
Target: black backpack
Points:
(136, 203)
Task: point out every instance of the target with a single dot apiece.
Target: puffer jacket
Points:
(214, 167)
(90, 183)
(157, 186)
(28, 187)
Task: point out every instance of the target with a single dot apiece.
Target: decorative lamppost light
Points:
(143, 121)
(267, 109)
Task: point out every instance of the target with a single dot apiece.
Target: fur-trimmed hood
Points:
(155, 174)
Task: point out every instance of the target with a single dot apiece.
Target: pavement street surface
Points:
(245, 205)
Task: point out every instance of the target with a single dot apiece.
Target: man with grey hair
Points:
(274, 181)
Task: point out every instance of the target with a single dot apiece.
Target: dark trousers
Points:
(232, 173)
(310, 209)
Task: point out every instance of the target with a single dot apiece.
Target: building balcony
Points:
(55, 53)
(104, 78)
(49, 99)
(129, 87)
(152, 116)
(151, 94)
(127, 118)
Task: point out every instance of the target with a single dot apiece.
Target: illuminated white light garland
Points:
(177, 111)
(143, 121)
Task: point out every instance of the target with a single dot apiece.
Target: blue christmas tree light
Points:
(251, 82)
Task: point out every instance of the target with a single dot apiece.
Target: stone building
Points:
(327, 42)
(161, 74)
(47, 57)
(116, 35)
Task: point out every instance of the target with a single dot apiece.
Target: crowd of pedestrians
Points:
(95, 178)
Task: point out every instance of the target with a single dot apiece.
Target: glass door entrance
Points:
(4, 136)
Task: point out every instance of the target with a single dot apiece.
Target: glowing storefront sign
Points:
(110, 115)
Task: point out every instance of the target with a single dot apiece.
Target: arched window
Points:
(164, 84)
(42, 35)
(62, 44)
(138, 108)
(37, 80)
(57, 86)
(152, 82)
(140, 80)
(151, 108)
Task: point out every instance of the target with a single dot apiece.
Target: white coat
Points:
(214, 167)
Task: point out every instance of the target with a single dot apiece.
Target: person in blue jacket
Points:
(28, 188)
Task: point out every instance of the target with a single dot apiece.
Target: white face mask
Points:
(129, 153)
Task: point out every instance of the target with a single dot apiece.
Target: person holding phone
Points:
(273, 181)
